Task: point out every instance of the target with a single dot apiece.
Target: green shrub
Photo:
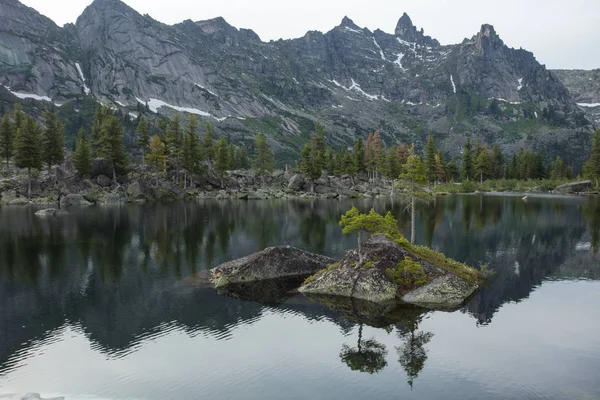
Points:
(308, 280)
(408, 274)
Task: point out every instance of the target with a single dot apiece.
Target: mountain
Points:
(584, 86)
(404, 84)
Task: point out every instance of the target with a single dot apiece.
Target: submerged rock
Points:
(271, 263)
(373, 280)
(51, 212)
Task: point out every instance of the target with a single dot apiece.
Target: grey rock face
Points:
(296, 183)
(448, 291)
(271, 263)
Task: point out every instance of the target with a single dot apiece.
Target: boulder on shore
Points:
(51, 212)
(371, 280)
(271, 263)
(74, 200)
(574, 187)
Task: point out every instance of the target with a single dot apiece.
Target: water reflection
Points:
(122, 274)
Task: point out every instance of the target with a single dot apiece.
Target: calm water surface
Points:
(103, 304)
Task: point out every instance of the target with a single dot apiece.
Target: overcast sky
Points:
(561, 33)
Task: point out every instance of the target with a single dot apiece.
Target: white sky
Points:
(562, 34)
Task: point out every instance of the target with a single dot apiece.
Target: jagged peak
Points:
(347, 22)
(405, 25)
(488, 30)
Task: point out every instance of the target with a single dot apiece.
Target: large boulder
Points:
(296, 183)
(101, 167)
(103, 181)
(74, 200)
(271, 263)
(575, 187)
(373, 280)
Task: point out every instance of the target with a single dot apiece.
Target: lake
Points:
(104, 304)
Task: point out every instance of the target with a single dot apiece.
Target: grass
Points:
(328, 269)
(469, 274)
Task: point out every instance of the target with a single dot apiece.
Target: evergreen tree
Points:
(591, 169)
(497, 162)
(28, 148)
(312, 157)
(102, 114)
(174, 143)
(559, 169)
(82, 158)
(452, 170)
(413, 179)
(190, 152)
(7, 139)
(402, 155)
(243, 162)
(110, 145)
(222, 158)
(347, 166)
(483, 165)
(512, 169)
(18, 117)
(430, 164)
(330, 161)
(374, 154)
(359, 155)
(263, 160)
(440, 167)
(143, 137)
(232, 157)
(467, 163)
(53, 139)
(157, 157)
(522, 171)
(392, 168)
(208, 143)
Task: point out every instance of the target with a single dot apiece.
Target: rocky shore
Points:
(62, 186)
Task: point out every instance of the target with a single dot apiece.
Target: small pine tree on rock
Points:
(82, 158)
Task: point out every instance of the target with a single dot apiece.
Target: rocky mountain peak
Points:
(348, 23)
(488, 30)
(405, 26)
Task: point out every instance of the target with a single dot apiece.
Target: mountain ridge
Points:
(404, 84)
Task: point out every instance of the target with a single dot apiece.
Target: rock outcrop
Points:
(370, 280)
(271, 263)
(575, 187)
(71, 200)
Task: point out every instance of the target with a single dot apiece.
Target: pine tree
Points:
(430, 164)
(392, 168)
(191, 152)
(82, 158)
(559, 169)
(263, 160)
(222, 158)
(102, 114)
(28, 148)
(512, 168)
(53, 139)
(468, 164)
(483, 164)
(312, 158)
(359, 155)
(110, 145)
(208, 143)
(232, 157)
(174, 143)
(157, 157)
(412, 182)
(440, 167)
(402, 155)
(7, 139)
(497, 162)
(18, 117)
(591, 169)
(243, 162)
(143, 137)
(452, 170)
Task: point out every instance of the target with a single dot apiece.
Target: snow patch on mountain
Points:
(34, 96)
(589, 105)
(398, 61)
(156, 104)
(520, 84)
(85, 88)
(453, 85)
(380, 50)
(203, 88)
